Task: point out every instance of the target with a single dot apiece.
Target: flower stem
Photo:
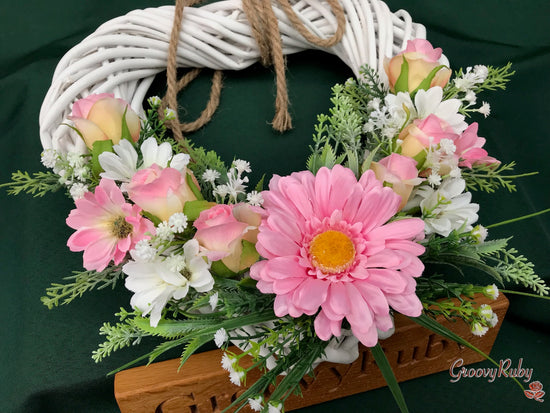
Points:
(510, 221)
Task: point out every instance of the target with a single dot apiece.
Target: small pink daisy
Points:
(107, 227)
(328, 245)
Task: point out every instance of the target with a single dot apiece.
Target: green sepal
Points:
(125, 132)
(420, 158)
(402, 83)
(192, 209)
(249, 255)
(98, 148)
(153, 218)
(220, 269)
(193, 186)
(425, 84)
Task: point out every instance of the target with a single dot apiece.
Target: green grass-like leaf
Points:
(384, 366)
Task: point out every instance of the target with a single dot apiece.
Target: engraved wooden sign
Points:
(202, 386)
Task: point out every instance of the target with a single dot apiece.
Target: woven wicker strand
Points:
(123, 55)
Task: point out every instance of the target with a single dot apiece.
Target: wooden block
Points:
(202, 386)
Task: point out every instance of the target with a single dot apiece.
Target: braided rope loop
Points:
(124, 54)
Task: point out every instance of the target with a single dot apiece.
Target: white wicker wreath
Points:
(123, 55)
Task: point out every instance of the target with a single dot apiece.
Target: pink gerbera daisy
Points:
(328, 245)
(107, 227)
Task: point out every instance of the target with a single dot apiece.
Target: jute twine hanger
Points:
(265, 30)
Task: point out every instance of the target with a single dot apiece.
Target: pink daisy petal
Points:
(409, 304)
(310, 294)
(106, 226)
(325, 328)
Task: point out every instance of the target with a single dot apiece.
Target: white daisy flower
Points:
(447, 208)
(169, 114)
(49, 158)
(255, 198)
(428, 102)
(241, 166)
(480, 233)
(78, 190)
(164, 231)
(144, 251)
(155, 283)
(228, 362)
(220, 337)
(486, 312)
(256, 404)
(485, 109)
(236, 377)
(121, 165)
(154, 101)
(178, 222)
(491, 291)
(478, 329)
(274, 407)
(213, 301)
(210, 175)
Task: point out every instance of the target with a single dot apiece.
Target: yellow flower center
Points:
(331, 251)
(121, 228)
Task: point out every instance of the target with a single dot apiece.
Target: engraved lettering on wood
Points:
(202, 386)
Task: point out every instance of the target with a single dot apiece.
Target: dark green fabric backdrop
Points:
(45, 355)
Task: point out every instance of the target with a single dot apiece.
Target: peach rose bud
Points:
(99, 118)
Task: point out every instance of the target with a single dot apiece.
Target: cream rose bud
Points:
(160, 191)
(99, 118)
(422, 58)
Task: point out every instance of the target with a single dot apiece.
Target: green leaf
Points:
(220, 269)
(353, 162)
(402, 83)
(425, 84)
(192, 209)
(384, 366)
(489, 247)
(192, 347)
(260, 185)
(328, 158)
(193, 186)
(98, 148)
(174, 328)
(366, 163)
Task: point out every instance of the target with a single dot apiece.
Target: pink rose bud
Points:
(422, 59)
(99, 118)
(161, 192)
(222, 229)
(400, 173)
(422, 133)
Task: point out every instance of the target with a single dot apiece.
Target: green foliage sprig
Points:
(39, 184)
(83, 281)
(489, 178)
